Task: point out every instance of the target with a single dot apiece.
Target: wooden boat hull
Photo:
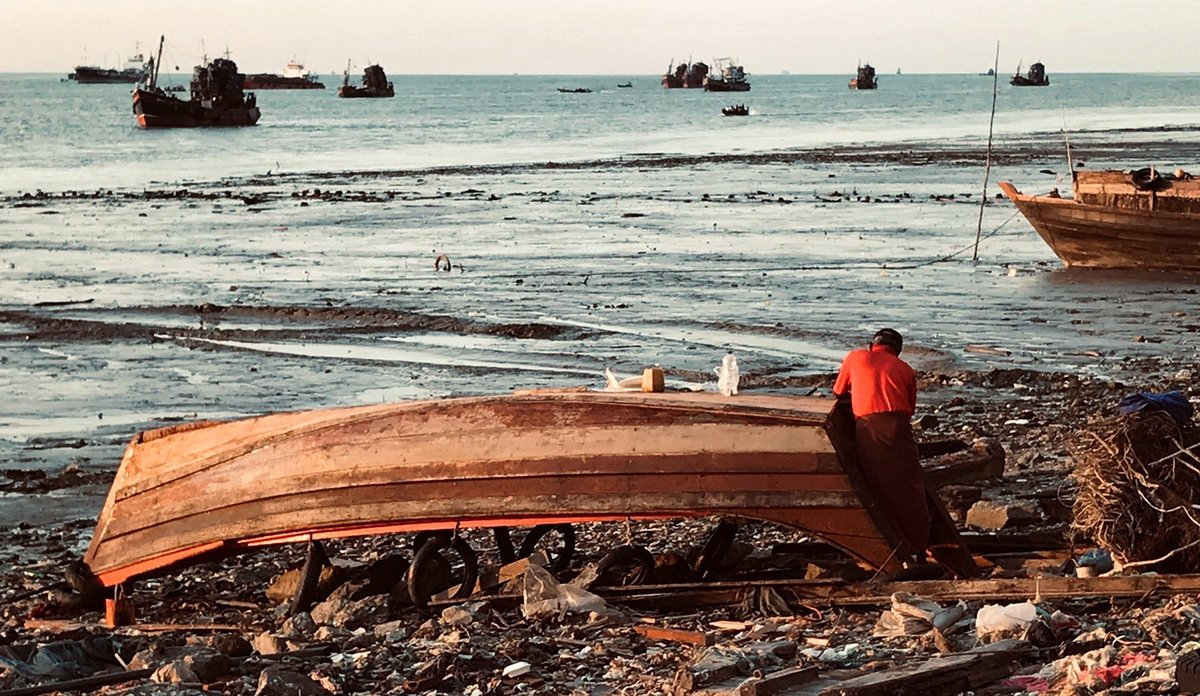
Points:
(154, 110)
(189, 492)
(723, 86)
(1094, 236)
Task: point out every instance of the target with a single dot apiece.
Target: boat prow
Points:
(191, 492)
(1118, 221)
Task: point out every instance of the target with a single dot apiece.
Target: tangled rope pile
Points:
(1138, 479)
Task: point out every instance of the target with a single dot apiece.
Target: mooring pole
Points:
(987, 169)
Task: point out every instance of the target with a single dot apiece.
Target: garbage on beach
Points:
(911, 615)
(996, 620)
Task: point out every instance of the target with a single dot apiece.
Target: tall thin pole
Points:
(987, 170)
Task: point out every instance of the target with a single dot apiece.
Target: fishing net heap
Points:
(1138, 477)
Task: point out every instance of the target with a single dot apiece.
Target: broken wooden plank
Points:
(940, 676)
(83, 684)
(763, 685)
(776, 682)
(677, 635)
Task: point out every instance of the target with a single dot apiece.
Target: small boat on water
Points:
(1117, 219)
(735, 110)
(293, 77)
(135, 69)
(375, 84)
(624, 85)
(730, 78)
(685, 75)
(864, 78)
(217, 99)
(204, 490)
(575, 90)
(1036, 77)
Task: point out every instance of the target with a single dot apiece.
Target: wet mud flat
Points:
(128, 310)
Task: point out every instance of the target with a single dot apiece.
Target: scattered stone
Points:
(174, 673)
(992, 515)
(268, 644)
(276, 681)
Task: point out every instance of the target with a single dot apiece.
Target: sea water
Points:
(620, 228)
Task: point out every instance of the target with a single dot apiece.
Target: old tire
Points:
(560, 561)
(633, 565)
(429, 568)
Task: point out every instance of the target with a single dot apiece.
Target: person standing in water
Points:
(883, 396)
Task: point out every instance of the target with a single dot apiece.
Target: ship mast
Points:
(157, 62)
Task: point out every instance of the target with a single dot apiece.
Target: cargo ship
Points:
(293, 77)
(375, 84)
(135, 68)
(217, 99)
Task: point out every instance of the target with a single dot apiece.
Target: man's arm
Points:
(841, 386)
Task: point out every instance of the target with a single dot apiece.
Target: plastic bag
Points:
(727, 375)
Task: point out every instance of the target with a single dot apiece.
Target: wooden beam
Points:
(837, 593)
(677, 635)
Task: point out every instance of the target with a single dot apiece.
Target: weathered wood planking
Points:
(1106, 236)
(505, 460)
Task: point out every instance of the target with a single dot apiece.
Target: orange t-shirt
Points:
(879, 382)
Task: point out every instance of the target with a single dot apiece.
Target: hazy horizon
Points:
(619, 37)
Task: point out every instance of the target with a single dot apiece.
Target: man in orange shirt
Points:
(883, 396)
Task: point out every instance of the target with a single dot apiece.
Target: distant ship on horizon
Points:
(135, 68)
(293, 77)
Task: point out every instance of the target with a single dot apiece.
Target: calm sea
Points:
(60, 135)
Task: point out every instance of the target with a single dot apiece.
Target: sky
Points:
(607, 37)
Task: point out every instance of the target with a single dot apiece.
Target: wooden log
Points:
(677, 635)
(940, 676)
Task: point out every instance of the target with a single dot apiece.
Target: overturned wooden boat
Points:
(193, 492)
(1117, 219)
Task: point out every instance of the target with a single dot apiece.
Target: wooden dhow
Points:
(193, 492)
(1119, 220)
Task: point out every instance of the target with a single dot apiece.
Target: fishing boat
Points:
(685, 75)
(135, 68)
(864, 78)
(1036, 77)
(374, 84)
(293, 77)
(730, 78)
(1119, 219)
(217, 99)
(203, 490)
(735, 110)
(624, 85)
(574, 90)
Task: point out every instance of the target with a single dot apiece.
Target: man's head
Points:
(890, 338)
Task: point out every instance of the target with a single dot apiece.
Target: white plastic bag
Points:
(727, 375)
(997, 619)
